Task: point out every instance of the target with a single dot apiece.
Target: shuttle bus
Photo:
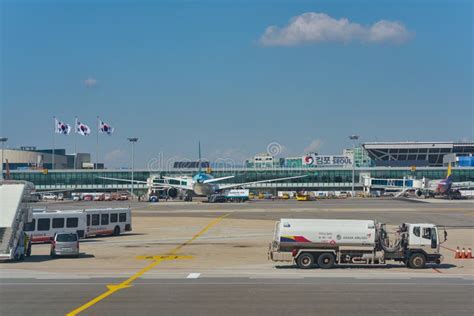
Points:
(110, 221)
(45, 224)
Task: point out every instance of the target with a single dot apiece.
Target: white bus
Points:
(110, 221)
(45, 224)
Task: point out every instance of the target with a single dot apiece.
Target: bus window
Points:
(29, 227)
(104, 219)
(122, 217)
(113, 218)
(72, 222)
(43, 224)
(95, 219)
(58, 222)
(88, 220)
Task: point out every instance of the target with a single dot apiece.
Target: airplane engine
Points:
(419, 193)
(172, 192)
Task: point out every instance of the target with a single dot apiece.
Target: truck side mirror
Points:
(445, 235)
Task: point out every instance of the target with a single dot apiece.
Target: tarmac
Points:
(199, 258)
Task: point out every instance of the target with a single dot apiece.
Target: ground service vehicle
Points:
(325, 243)
(14, 212)
(237, 195)
(45, 224)
(109, 221)
(49, 197)
(65, 244)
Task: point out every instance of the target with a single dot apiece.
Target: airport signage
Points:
(323, 160)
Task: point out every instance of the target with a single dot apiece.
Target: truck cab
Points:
(423, 239)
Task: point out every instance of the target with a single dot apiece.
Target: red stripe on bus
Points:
(99, 232)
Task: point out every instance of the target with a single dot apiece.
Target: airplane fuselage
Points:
(203, 189)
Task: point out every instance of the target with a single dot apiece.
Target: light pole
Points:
(133, 140)
(354, 138)
(3, 140)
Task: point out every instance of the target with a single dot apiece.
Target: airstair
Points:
(14, 212)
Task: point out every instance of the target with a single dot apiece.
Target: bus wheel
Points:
(116, 231)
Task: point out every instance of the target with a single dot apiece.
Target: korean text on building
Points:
(321, 160)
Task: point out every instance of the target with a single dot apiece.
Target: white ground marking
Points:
(193, 275)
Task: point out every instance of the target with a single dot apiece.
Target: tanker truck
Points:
(327, 242)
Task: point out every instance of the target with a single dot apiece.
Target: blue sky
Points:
(175, 72)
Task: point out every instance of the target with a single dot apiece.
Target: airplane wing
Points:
(123, 180)
(227, 186)
(175, 179)
(217, 179)
(50, 191)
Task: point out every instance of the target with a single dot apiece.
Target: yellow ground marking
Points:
(112, 288)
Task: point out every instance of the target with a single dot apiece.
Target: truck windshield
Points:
(434, 238)
(66, 237)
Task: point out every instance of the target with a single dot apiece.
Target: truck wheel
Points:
(326, 260)
(305, 261)
(116, 231)
(417, 261)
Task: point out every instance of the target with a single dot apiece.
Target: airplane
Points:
(440, 187)
(443, 187)
(201, 184)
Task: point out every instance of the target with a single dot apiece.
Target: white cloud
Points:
(90, 82)
(314, 27)
(314, 146)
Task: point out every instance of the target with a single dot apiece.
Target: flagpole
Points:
(75, 142)
(97, 145)
(54, 142)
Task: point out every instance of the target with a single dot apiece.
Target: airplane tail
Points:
(448, 174)
(199, 160)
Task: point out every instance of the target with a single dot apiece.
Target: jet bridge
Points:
(392, 184)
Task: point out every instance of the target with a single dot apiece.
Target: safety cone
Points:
(463, 254)
(469, 253)
(458, 254)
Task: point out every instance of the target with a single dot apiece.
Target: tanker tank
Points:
(324, 233)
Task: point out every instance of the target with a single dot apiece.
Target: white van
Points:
(110, 221)
(45, 224)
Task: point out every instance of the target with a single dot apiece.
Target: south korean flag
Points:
(82, 128)
(62, 128)
(105, 128)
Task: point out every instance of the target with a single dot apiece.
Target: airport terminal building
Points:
(322, 172)
(29, 158)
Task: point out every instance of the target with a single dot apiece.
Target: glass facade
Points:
(320, 177)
